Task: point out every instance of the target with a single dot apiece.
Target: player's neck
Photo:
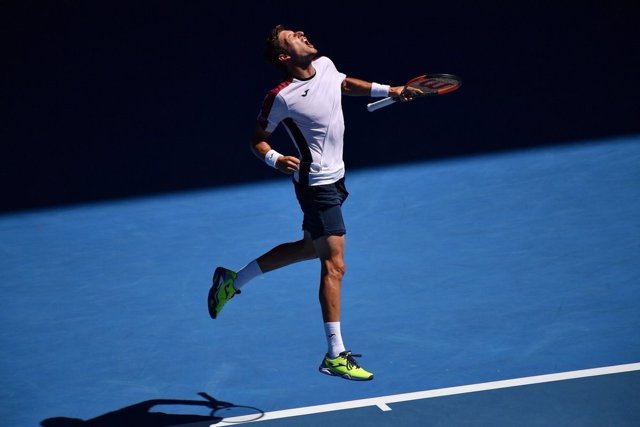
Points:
(302, 71)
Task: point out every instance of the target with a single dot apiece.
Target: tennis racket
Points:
(428, 84)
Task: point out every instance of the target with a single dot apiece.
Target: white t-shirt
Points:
(311, 111)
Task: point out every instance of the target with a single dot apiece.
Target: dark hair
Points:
(272, 48)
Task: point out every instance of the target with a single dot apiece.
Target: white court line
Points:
(383, 401)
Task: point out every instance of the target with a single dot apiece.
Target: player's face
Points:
(296, 44)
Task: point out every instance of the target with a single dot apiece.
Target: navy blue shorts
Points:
(322, 208)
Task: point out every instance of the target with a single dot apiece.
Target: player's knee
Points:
(336, 268)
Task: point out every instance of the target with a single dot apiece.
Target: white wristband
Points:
(272, 157)
(378, 90)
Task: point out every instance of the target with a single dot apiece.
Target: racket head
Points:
(435, 84)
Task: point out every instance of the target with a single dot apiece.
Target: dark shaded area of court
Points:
(104, 100)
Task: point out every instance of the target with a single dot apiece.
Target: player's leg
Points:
(338, 361)
(226, 283)
(287, 254)
(330, 250)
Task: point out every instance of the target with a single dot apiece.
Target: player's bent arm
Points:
(260, 147)
(259, 143)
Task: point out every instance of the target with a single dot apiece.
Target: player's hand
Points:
(404, 93)
(288, 164)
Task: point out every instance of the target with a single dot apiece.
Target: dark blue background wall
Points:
(105, 100)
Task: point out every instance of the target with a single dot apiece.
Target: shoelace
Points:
(351, 362)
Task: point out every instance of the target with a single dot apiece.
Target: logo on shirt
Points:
(305, 92)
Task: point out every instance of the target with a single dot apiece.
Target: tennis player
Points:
(308, 104)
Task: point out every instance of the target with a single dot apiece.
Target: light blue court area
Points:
(460, 272)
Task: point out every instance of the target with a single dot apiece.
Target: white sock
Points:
(247, 273)
(334, 339)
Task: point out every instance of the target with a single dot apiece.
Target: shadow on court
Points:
(142, 415)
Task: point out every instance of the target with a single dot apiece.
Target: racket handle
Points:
(379, 104)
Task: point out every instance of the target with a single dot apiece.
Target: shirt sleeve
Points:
(273, 111)
(331, 67)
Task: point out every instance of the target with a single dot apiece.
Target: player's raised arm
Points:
(353, 86)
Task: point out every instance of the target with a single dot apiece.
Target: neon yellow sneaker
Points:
(222, 290)
(344, 366)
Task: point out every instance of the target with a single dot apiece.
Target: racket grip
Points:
(381, 103)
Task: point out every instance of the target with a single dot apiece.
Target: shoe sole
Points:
(213, 293)
(329, 372)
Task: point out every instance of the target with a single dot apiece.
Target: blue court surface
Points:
(494, 290)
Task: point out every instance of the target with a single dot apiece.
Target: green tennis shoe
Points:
(222, 290)
(345, 366)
